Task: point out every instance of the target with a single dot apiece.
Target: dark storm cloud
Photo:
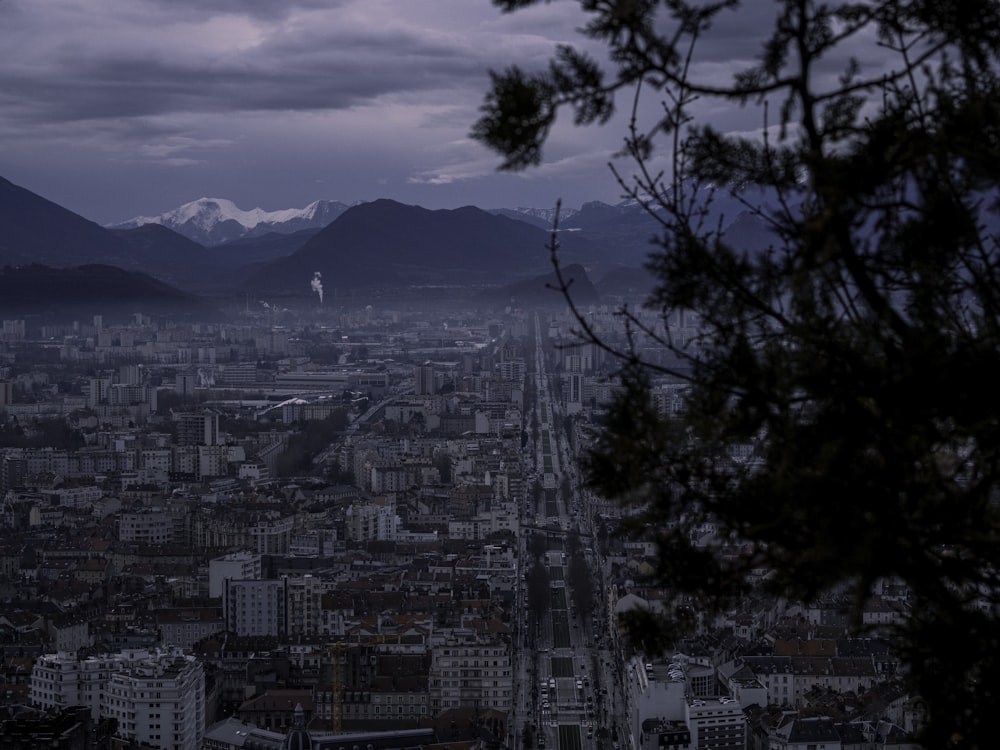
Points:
(263, 9)
(316, 69)
(264, 101)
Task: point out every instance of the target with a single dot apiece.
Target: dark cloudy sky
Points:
(118, 108)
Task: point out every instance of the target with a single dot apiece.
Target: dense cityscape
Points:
(530, 375)
(368, 528)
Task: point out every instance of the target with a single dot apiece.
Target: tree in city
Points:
(581, 583)
(566, 490)
(837, 419)
(537, 545)
(313, 437)
(539, 591)
(442, 462)
(535, 493)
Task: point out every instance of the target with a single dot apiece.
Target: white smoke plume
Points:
(317, 285)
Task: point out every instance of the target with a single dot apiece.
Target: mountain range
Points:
(214, 221)
(379, 245)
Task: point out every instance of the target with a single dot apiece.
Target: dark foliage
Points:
(539, 589)
(40, 433)
(65, 293)
(313, 438)
(839, 426)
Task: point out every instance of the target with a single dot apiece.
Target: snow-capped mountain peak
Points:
(213, 221)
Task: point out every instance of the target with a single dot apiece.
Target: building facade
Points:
(156, 697)
(257, 608)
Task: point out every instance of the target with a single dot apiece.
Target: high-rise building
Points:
(131, 374)
(6, 394)
(13, 468)
(305, 611)
(470, 669)
(160, 703)
(424, 380)
(185, 383)
(256, 607)
(97, 391)
(198, 428)
(156, 697)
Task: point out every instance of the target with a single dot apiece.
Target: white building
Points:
(653, 693)
(61, 680)
(241, 566)
(153, 526)
(716, 723)
(157, 697)
(272, 536)
(366, 522)
(159, 702)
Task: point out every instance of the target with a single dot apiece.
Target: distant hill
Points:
(36, 230)
(174, 258)
(381, 244)
(543, 291)
(385, 244)
(66, 293)
(626, 282)
(170, 256)
(263, 248)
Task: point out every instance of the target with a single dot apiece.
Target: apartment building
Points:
(159, 702)
(256, 608)
(470, 668)
(156, 697)
(305, 611)
(147, 526)
(716, 723)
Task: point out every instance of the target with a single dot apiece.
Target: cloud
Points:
(161, 101)
(304, 59)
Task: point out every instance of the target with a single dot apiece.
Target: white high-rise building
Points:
(157, 697)
(159, 702)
